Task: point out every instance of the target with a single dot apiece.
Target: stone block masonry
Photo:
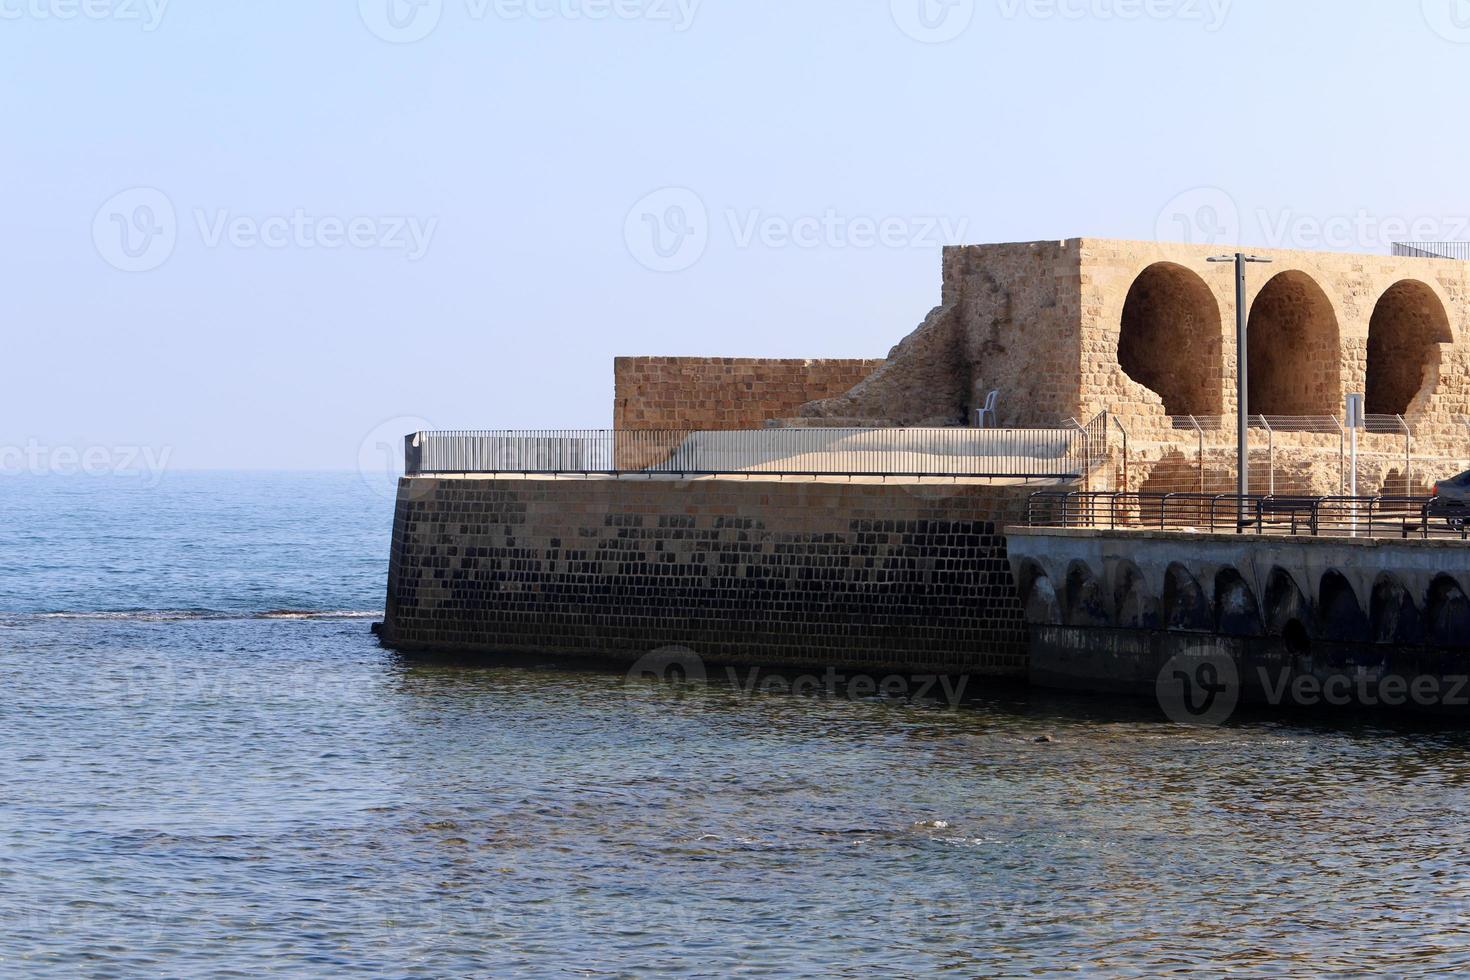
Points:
(724, 393)
(1146, 332)
(856, 576)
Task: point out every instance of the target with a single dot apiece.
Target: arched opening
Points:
(1343, 619)
(1236, 610)
(1185, 605)
(1393, 617)
(1285, 603)
(1447, 613)
(1038, 596)
(1086, 605)
(1295, 356)
(1136, 607)
(1404, 337)
(1395, 484)
(1170, 341)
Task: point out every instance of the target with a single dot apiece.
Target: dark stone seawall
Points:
(1285, 621)
(897, 577)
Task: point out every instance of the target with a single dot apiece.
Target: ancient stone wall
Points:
(1312, 315)
(724, 393)
(1007, 322)
(851, 575)
(1146, 331)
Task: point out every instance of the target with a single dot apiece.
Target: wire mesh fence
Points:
(1308, 455)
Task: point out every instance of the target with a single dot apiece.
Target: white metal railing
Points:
(1066, 453)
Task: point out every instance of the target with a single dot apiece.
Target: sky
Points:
(268, 234)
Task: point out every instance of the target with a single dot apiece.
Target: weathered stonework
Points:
(914, 576)
(1007, 321)
(857, 575)
(1146, 331)
(723, 393)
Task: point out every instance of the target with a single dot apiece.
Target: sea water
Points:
(209, 766)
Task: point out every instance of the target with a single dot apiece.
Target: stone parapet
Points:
(724, 393)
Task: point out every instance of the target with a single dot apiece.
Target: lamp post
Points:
(1242, 395)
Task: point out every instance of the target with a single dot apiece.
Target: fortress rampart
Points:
(724, 393)
(1146, 332)
(912, 571)
(770, 572)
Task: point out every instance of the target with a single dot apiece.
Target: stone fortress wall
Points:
(724, 393)
(1146, 331)
(908, 574)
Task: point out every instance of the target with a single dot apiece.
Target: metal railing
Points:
(1426, 517)
(1061, 454)
(1288, 453)
(1459, 251)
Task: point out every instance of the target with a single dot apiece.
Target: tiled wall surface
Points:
(786, 574)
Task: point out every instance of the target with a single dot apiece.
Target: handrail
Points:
(1433, 250)
(1298, 515)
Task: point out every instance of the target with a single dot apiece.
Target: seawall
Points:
(1120, 611)
(850, 574)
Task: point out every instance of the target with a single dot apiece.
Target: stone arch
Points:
(1395, 484)
(1170, 340)
(1393, 617)
(1185, 606)
(1447, 614)
(1086, 601)
(1340, 614)
(1295, 357)
(1134, 604)
(1038, 595)
(1409, 326)
(1286, 604)
(1236, 611)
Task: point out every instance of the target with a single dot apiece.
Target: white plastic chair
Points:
(988, 411)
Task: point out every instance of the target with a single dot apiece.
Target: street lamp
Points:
(1242, 398)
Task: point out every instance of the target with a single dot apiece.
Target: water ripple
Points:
(232, 795)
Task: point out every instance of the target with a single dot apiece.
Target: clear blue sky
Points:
(519, 139)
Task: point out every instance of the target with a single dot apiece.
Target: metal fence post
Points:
(413, 455)
(1270, 456)
(1408, 456)
(1341, 456)
(1200, 438)
(1121, 428)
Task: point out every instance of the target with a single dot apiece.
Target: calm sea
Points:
(208, 766)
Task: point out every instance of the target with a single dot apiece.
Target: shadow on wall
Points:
(1409, 326)
(1171, 340)
(1295, 350)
